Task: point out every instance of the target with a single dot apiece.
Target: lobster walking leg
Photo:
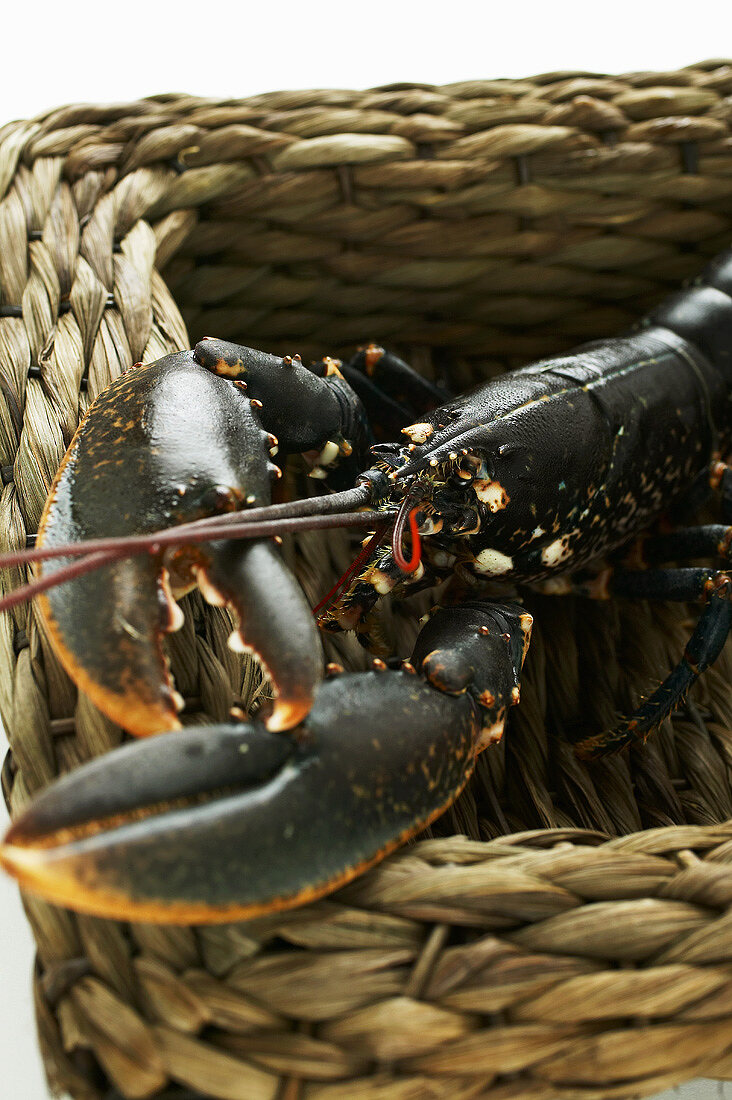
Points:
(682, 584)
(230, 821)
(707, 540)
(392, 393)
(701, 651)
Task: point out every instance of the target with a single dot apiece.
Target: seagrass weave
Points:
(564, 931)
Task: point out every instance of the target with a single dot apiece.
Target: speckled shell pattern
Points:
(580, 452)
(167, 443)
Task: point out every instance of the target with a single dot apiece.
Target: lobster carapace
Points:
(526, 480)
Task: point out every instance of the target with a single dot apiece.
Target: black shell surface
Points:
(581, 451)
(164, 444)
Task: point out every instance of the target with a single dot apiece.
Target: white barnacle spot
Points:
(491, 493)
(493, 563)
(556, 552)
(380, 581)
(328, 454)
(441, 559)
(537, 533)
(418, 433)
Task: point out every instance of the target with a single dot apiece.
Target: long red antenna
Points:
(96, 553)
(228, 525)
(355, 565)
(66, 573)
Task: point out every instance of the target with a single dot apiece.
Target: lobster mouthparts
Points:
(167, 444)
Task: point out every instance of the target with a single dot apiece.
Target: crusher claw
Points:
(167, 444)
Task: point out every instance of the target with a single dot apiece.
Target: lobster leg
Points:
(701, 651)
(391, 392)
(231, 821)
(707, 540)
(717, 476)
(684, 584)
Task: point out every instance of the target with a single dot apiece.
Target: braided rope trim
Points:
(478, 214)
(583, 968)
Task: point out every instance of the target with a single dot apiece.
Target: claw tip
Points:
(30, 867)
(287, 713)
(18, 861)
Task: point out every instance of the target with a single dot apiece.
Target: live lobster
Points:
(528, 480)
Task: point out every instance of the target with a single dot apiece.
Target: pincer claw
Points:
(305, 411)
(232, 821)
(275, 622)
(167, 444)
(224, 822)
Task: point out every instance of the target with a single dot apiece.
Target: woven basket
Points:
(564, 931)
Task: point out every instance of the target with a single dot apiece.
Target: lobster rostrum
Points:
(528, 480)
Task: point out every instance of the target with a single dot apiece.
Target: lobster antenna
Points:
(226, 525)
(306, 506)
(410, 564)
(67, 573)
(355, 565)
(129, 546)
(96, 553)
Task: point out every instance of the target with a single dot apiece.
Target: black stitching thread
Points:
(64, 307)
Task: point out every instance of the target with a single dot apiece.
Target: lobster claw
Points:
(231, 821)
(169, 443)
(314, 414)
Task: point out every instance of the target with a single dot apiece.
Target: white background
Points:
(69, 52)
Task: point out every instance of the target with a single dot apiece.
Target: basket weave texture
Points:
(565, 931)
